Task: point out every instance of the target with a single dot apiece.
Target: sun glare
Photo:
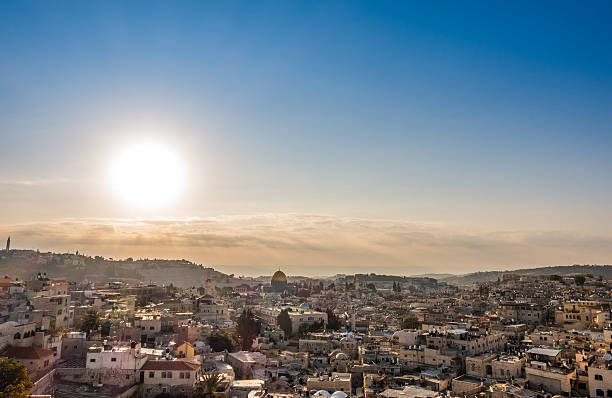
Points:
(146, 175)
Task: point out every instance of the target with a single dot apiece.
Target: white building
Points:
(116, 365)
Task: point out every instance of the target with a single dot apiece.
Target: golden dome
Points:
(279, 277)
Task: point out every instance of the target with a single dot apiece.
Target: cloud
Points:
(35, 183)
(315, 244)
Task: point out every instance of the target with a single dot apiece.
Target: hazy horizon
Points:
(401, 138)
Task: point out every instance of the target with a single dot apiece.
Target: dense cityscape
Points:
(363, 335)
(305, 199)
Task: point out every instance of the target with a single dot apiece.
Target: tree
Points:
(248, 329)
(105, 328)
(579, 279)
(142, 301)
(305, 328)
(14, 380)
(333, 322)
(220, 341)
(411, 322)
(90, 321)
(284, 322)
(371, 286)
(207, 388)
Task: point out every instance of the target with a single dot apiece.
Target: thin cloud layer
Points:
(314, 244)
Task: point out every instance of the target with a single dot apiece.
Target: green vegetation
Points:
(220, 341)
(284, 322)
(247, 329)
(313, 327)
(333, 322)
(207, 388)
(105, 328)
(14, 380)
(411, 322)
(90, 321)
(579, 279)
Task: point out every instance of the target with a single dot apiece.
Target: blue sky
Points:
(478, 116)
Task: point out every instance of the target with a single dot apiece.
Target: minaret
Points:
(8, 243)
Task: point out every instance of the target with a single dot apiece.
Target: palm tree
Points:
(207, 387)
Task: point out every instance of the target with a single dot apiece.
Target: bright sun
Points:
(146, 175)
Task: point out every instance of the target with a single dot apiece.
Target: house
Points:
(545, 370)
(246, 364)
(38, 361)
(600, 379)
(335, 382)
(168, 376)
(116, 365)
(185, 350)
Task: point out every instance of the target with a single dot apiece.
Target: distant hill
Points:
(434, 276)
(25, 264)
(563, 270)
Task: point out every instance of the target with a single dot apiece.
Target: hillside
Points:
(489, 276)
(27, 263)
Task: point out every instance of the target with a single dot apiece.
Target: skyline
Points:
(398, 137)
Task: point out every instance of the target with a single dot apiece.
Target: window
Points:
(92, 360)
(187, 375)
(151, 328)
(599, 392)
(598, 377)
(169, 374)
(151, 375)
(113, 359)
(181, 375)
(163, 375)
(127, 377)
(609, 393)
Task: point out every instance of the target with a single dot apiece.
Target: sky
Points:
(319, 137)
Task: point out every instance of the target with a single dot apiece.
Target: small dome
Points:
(322, 393)
(340, 357)
(279, 277)
(339, 394)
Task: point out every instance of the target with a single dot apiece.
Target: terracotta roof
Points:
(28, 353)
(170, 365)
